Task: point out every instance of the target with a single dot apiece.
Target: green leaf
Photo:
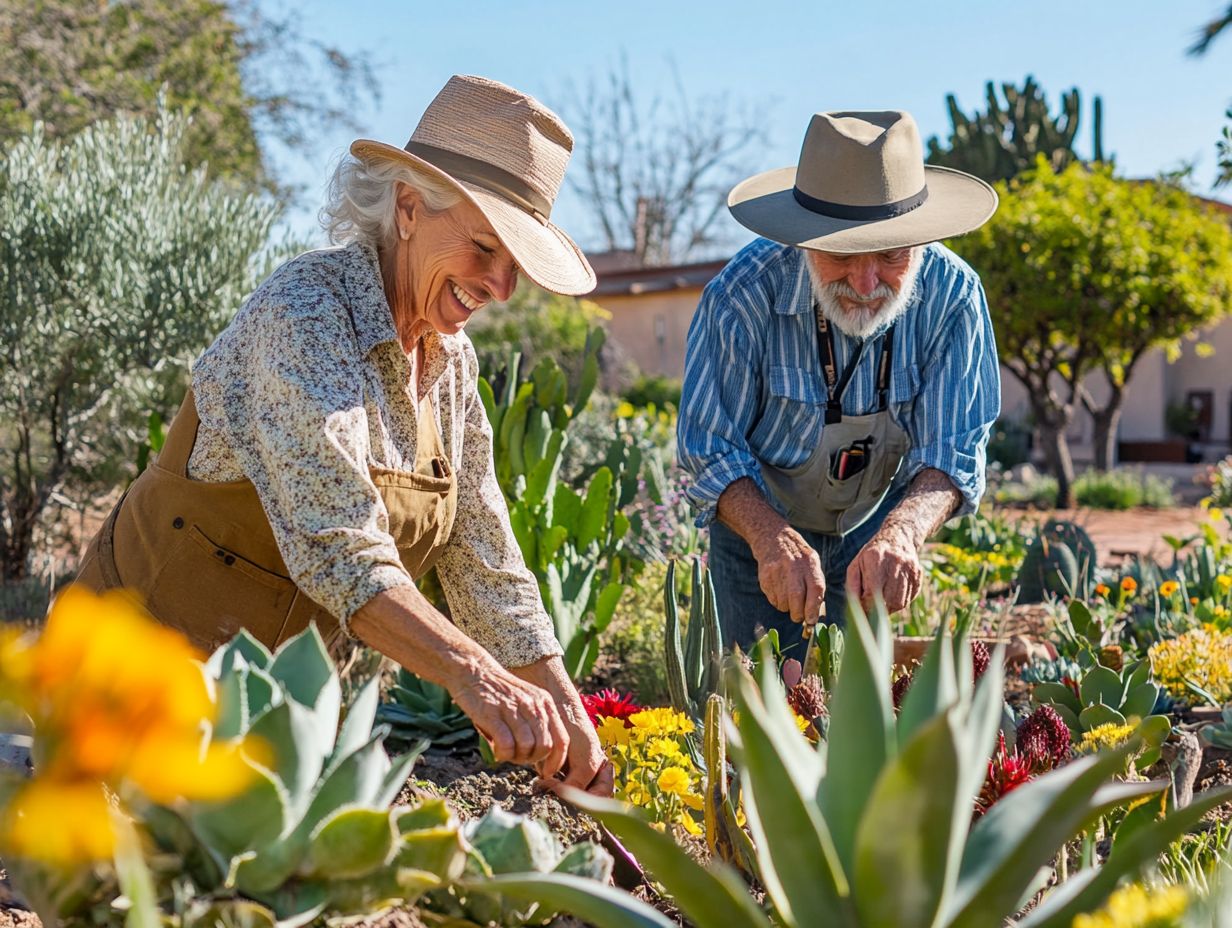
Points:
(801, 867)
(862, 720)
(243, 646)
(1128, 857)
(1101, 685)
(1080, 617)
(1140, 701)
(567, 509)
(1056, 695)
(351, 842)
(253, 818)
(595, 509)
(304, 667)
(933, 688)
(712, 895)
(232, 718)
(358, 780)
(586, 899)
(1099, 714)
(289, 730)
(357, 726)
(902, 872)
(605, 604)
(1023, 831)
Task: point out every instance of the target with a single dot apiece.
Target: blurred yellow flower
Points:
(1224, 582)
(1215, 513)
(1169, 588)
(674, 780)
(1135, 906)
(115, 699)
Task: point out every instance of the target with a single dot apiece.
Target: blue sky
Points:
(790, 59)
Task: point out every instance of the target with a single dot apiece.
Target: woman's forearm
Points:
(404, 626)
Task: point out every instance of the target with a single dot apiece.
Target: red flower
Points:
(609, 704)
(981, 657)
(1044, 739)
(1006, 772)
(1073, 686)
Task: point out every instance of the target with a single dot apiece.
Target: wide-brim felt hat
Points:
(861, 185)
(506, 153)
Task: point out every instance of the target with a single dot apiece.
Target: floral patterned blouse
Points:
(306, 388)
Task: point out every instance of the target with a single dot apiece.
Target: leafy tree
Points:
(1007, 139)
(1086, 272)
(117, 265)
(655, 173)
(236, 71)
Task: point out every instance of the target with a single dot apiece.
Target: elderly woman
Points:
(333, 447)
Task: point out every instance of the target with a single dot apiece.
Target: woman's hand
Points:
(586, 767)
(519, 719)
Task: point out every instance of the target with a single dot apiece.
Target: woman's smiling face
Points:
(450, 264)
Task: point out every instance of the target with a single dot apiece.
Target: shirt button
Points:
(178, 523)
(229, 559)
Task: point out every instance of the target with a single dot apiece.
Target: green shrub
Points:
(1122, 489)
(654, 390)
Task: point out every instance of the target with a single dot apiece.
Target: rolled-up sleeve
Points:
(719, 402)
(959, 399)
(297, 424)
(492, 595)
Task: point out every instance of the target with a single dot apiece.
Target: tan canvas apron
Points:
(202, 555)
(818, 495)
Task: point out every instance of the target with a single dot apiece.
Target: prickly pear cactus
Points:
(1059, 562)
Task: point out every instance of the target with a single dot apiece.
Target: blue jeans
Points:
(745, 613)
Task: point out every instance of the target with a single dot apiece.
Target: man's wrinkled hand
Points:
(519, 719)
(789, 572)
(890, 565)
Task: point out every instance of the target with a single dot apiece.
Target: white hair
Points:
(363, 196)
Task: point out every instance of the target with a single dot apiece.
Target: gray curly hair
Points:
(362, 197)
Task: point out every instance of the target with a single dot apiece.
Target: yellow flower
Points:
(801, 722)
(115, 699)
(1224, 581)
(1109, 735)
(1169, 588)
(665, 748)
(1129, 585)
(1203, 655)
(1220, 612)
(661, 721)
(1215, 513)
(674, 780)
(1135, 906)
(59, 823)
(612, 732)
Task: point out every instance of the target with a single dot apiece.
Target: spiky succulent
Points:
(1044, 739)
(422, 710)
(808, 698)
(1053, 670)
(1007, 770)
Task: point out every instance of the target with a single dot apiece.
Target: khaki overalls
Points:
(202, 555)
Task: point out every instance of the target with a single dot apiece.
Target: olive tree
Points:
(117, 266)
(1086, 273)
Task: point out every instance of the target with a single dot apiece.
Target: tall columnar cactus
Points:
(694, 665)
(724, 836)
(1059, 562)
(572, 541)
(314, 835)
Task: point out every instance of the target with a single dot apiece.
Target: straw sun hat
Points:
(505, 152)
(861, 186)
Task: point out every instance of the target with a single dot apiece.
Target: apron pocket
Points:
(841, 494)
(420, 515)
(210, 593)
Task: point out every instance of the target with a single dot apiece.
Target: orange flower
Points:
(1129, 585)
(1102, 589)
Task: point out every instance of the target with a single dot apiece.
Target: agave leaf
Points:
(260, 692)
(398, 773)
(1099, 714)
(933, 688)
(1058, 694)
(351, 842)
(1022, 832)
(586, 859)
(1140, 701)
(712, 895)
(356, 781)
(296, 904)
(902, 874)
(289, 730)
(357, 726)
(305, 669)
(232, 718)
(862, 721)
(254, 817)
(1101, 685)
(588, 900)
(242, 648)
(977, 740)
(800, 866)
(1126, 859)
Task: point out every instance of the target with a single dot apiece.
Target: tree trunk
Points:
(1056, 453)
(1106, 422)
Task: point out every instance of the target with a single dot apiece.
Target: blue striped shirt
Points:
(753, 387)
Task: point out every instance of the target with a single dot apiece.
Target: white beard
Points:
(864, 322)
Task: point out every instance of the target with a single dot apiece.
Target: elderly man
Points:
(841, 378)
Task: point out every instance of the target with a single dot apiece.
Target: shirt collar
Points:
(374, 321)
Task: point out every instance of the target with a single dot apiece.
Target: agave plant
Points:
(875, 826)
(1219, 733)
(423, 710)
(314, 835)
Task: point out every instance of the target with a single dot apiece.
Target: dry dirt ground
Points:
(1120, 536)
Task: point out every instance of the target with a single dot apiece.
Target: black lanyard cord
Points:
(836, 386)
